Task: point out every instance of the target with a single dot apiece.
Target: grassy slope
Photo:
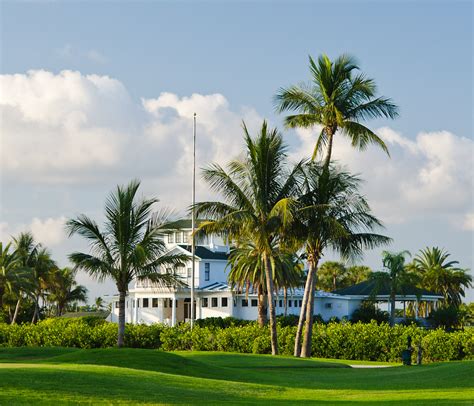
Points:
(65, 376)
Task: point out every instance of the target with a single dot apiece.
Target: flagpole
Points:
(193, 222)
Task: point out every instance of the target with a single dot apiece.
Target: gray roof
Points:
(206, 253)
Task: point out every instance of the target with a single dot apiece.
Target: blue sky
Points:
(420, 54)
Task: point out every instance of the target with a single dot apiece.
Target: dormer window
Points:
(178, 237)
(170, 238)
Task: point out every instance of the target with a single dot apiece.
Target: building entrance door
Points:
(187, 309)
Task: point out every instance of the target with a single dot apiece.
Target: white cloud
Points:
(430, 175)
(49, 231)
(468, 223)
(96, 56)
(71, 127)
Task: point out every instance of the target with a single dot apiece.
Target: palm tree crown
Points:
(337, 98)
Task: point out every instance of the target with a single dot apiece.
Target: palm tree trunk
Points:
(308, 328)
(262, 308)
(271, 305)
(17, 309)
(36, 312)
(392, 308)
(121, 318)
(327, 160)
(299, 330)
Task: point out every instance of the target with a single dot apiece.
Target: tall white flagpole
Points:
(193, 222)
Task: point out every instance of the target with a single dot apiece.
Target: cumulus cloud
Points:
(49, 231)
(429, 175)
(71, 127)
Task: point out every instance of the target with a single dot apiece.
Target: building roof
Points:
(184, 224)
(205, 253)
(216, 287)
(372, 287)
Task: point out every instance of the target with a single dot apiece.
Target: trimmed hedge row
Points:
(357, 341)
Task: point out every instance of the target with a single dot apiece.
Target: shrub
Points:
(446, 317)
(353, 341)
(368, 312)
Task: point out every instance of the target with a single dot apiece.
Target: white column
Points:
(173, 312)
(136, 310)
(416, 309)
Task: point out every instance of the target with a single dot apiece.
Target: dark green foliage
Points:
(222, 322)
(356, 341)
(368, 312)
(446, 317)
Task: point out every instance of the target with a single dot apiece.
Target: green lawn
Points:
(130, 376)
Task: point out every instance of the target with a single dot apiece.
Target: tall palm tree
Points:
(337, 99)
(63, 289)
(131, 245)
(37, 259)
(247, 271)
(331, 215)
(257, 191)
(441, 275)
(396, 277)
(99, 303)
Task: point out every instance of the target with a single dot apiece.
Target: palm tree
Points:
(396, 276)
(257, 191)
(99, 303)
(37, 259)
(63, 289)
(331, 215)
(357, 274)
(131, 245)
(247, 271)
(337, 99)
(331, 275)
(441, 275)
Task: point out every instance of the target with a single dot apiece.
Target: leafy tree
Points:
(442, 275)
(247, 271)
(331, 276)
(257, 190)
(63, 289)
(131, 245)
(356, 274)
(331, 214)
(37, 259)
(337, 99)
(395, 276)
(99, 303)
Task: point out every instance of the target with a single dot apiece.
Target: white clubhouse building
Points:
(148, 303)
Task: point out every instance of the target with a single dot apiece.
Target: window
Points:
(165, 303)
(254, 302)
(189, 272)
(328, 305)
(154, 302)
(214, 302)
(224, 302)
(289, 303)
(204, 302)
(280, 303)
(170, 238)
(207, 271)
(245, 303)
(145, 302)
(301, 303)
(185, 237)
(178, 237)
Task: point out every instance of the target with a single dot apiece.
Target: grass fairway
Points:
(45, 376)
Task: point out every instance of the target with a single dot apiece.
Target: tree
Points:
(331, 276)
(247, 271)
(63, 289)
(337, 99)
(357, 274)
(395, 276)
(257, 190)
(99, 303)
(37, 259)
(331, 214)
(131, 245)
(441, 275)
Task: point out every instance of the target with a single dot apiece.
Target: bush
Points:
(353, 341)
(367, 312)
(446, 317)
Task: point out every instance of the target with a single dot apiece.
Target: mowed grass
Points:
(45, 376)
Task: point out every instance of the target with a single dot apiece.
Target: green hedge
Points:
(333, 340)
